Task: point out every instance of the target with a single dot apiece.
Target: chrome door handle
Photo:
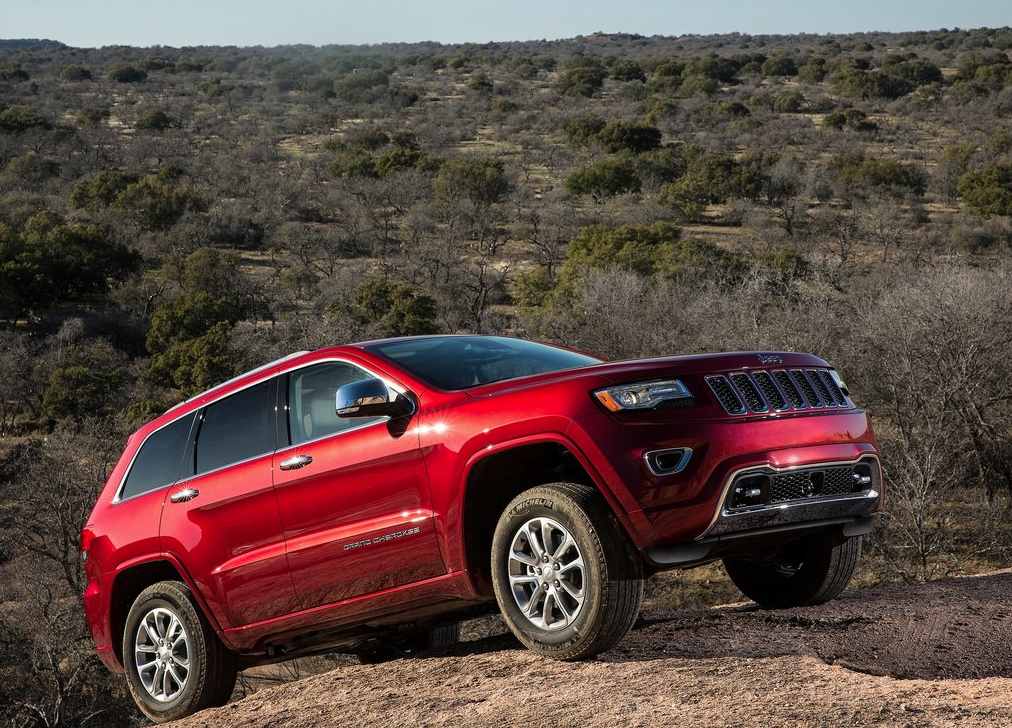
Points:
(184, 495)
(299, 461)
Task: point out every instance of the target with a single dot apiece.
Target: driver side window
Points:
(311, 401)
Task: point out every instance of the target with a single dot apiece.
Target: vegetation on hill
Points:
(170, 217)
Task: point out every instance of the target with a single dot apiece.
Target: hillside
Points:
(171, 217)
(937, 654)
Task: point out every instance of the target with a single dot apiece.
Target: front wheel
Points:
(568, 581)
(175, 664)
(809, 571)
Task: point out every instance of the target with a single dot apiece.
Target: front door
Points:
(353, 494)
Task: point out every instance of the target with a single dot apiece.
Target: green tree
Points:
(15, 119)
(156, 205)
(44, 261)
(102, 189)
(583, 129)
(394, 309)
(154, 120)
(606, 178)
(88, 380)
(189, 341)
(127, 73)
(582, 76)
(657, 249)
(988, 191)
(619, 136)
(483, 181)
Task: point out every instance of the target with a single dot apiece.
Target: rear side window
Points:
(158, 462)
(234, 429)
(312, 401)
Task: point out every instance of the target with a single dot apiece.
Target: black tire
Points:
(445, 635)
(809, 571)
(583, 598)
(200, 670)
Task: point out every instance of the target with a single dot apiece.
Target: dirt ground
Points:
(937, 654)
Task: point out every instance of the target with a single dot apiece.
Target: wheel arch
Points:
(134, 578)
(493, 479)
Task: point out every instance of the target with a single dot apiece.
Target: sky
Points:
(95, 23)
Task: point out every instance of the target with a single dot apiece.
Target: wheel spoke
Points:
(546, 536)
(174, 629)
(526, 559)
(532, 538)
(151, 631)
(546, 573)
(153, 665)
(576, 563)
(522, 579)
(563, 547)
(560, 603)
(167, 690)
(161, 654)
(576, 594)
(176, 677)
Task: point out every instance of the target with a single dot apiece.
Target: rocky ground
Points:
(937, 654)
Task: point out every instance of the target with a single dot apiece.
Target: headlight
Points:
(642, 395)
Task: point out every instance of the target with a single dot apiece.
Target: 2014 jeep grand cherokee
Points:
(363, 497)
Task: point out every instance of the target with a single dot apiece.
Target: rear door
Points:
(222, 520)
(353, 493)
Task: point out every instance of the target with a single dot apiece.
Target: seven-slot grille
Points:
(779, 390)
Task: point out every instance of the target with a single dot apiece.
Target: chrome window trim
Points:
(122, 482)
(390, 384)
(267, 376)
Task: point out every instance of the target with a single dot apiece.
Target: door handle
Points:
(294, 463)
(184, 495)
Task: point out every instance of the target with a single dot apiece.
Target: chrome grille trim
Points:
(789, 388)
(821, 387)
(726, 395)
(761, 391)
(770, 391)
(749, 392)
(806, 388)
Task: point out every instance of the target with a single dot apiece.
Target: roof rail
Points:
(264, 367)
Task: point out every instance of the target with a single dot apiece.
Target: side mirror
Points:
(370, 398)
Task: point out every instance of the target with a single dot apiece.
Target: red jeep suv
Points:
(366, 497)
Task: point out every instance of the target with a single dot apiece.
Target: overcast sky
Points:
(91, 23)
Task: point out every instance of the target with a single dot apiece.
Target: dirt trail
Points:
(938, 654)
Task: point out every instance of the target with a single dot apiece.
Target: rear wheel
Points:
(568, 581)
(175, 664)
(811, 570)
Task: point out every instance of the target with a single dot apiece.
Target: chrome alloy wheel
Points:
(162, 654)
(546, 573)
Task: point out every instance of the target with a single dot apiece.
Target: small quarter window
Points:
(312, 400)
(158, 462)
(234, 429)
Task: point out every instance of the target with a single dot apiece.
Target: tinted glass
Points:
(159, 460)
(312, 400)
(459, 362)
(234, 429)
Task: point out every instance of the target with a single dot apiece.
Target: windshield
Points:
(460, 362)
